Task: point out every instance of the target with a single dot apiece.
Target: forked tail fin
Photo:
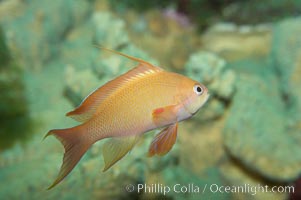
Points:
(75, 144)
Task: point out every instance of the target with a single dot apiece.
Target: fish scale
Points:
(135, 97)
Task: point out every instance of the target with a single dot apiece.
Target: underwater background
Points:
(248, 53)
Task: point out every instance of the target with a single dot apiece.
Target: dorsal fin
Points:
(123, 54)
(90, 104)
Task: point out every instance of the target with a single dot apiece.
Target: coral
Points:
(285, 58)
(256, 127)
(104, 23)
(210, 70)
(34, 35)
(233, 42)
(242, 12)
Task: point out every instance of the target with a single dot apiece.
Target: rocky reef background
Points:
(248, 53)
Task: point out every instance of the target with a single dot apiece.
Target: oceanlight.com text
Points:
(192, 188)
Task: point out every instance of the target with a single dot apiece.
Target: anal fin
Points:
(164, 141)
(116, 148)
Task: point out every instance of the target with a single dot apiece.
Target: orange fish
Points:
(143, 99)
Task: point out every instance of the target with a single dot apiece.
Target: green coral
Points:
(257, 127)
(286, 59)
(36, 34)
(102, 21)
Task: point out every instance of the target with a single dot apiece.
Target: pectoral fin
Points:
(165, 114)
(164, 141)
(114, 149)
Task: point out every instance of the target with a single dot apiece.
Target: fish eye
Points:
(198, 89)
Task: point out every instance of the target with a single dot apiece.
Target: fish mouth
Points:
(202, 104)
